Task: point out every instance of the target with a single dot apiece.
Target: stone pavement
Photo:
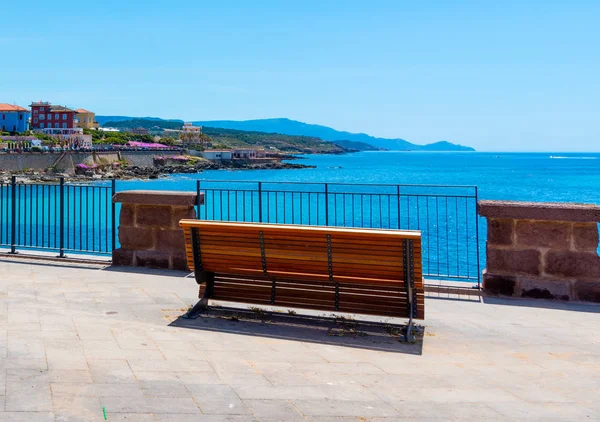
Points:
(76, 339)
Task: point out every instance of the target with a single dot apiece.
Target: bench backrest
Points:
(342, 255)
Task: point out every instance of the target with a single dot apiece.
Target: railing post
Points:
(398, 192)
(13, 217)
(198, 199)
(326, 204)
(61, 221)
(113, 186)
(477, 237)
(260, 202)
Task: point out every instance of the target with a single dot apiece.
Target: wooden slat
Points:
(367, 265)
(282, 228)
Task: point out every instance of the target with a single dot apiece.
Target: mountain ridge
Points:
(294, 127)
(287, 126)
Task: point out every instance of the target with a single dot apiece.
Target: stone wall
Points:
(145, 158)
(543, 250)
(65, 163)
(149, 231)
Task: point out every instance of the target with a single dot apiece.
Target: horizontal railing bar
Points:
(392, 195)
(338, 184)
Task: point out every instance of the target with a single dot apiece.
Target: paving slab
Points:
(74, 339)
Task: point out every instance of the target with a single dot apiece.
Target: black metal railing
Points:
(74, 218)
(446, 215)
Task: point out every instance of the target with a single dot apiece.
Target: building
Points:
(247, 154)
(72, 138)
(13, 118)
(45, 115)
(190, 128)
(217, 154)
(85, 119)
(190, 134)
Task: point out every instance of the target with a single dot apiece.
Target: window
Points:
(57, 116)
(64, 117)
(41, 125)
(4, 117)
(20, 117)
(49, 116)
(42, 116)
(56, 125)
(41, 108)
(35, 120)
(64, 125)
(35, 112)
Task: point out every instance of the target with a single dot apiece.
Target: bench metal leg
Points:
(198, 308)
(202, 305)
(408, 337)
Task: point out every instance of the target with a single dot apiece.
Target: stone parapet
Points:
(149, 232)
(545, 250)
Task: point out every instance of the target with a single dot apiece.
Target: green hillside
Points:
(145, 124)
(285, 143)
(230, 138)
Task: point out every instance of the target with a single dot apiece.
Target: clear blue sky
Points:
(496, 75)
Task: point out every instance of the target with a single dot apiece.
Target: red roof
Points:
(83, 110)
(10, 107)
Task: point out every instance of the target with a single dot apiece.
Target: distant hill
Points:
(103, 120)
(286, 143)
(293, 127)
(360, 141)
(231, 138)
(144, 123)
(357, 146)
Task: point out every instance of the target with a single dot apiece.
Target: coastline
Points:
(146, 172)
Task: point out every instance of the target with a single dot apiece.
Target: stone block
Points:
(498, 285)
(181, 213)
(152, 259)
(136, 237)
(127, 215)
(551, 234)
(170, 240)
(153, 216)
(153, 197)
(545, 289)
(544, 211)
(513, 262)
(585, 236)
(587, 290)
(500, 231)
(123, 257)
(570, 264)
(179, 261)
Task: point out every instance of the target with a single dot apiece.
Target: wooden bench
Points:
(362, 271)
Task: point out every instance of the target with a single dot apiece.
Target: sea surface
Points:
(541, 177)
(363, 190)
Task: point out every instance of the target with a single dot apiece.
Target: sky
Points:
(495, 75)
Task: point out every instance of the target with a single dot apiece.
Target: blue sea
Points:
(542, 177)
(367, 189)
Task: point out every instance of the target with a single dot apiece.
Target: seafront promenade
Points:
(75, 339)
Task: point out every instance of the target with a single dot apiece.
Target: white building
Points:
(73, 137)
(217, 154)
(247, 154)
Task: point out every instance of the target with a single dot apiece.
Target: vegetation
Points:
(285, 143)
(146, 124)
(116, 138)
(216, 138)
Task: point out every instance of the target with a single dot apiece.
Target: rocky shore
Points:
(136, 172)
